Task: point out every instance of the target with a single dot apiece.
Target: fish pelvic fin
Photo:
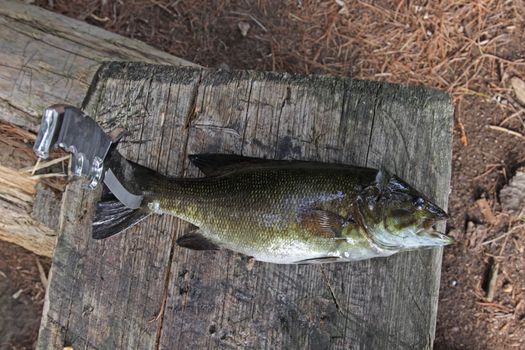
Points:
(113, 217)
(320, 260)
(197, 241)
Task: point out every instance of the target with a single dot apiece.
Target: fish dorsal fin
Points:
(213, 164)
(197, 241)
(322, 223)
(382, 179)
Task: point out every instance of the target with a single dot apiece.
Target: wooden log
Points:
(17, 194)
(28, 210)
(47, 58)
(140, 290)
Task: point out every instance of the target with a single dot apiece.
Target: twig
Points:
(463, 134)
(159, 314)
(492, 168)
(42, 176)
(39, 165)
(99, 19)
(43, 277)
(34, 169)
(512, 116)
(503, 235)
(494, 305)
(516, 62)
(510, 132)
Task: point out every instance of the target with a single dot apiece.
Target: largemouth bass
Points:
(284, 212)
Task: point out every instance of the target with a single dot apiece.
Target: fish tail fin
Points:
(113, 217)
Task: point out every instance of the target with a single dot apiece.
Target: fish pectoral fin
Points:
(322, 223)
(197, 241)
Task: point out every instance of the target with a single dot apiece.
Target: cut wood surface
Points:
(140, 290)
(47, 58)
(17, 225)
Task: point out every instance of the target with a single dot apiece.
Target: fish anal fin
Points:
(322, 223)
(197, 241)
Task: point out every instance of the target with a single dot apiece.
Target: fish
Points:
(284, 212)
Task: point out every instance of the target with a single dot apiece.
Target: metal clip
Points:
(68, 128)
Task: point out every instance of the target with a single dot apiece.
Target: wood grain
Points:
(221, 299)
(48, 58)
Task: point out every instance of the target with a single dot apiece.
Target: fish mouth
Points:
(430, 228)
(439, 238)
(433, 224)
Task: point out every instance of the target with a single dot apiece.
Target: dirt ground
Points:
(471, 49)
(21, 296)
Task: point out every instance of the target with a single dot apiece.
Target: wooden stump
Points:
(140, 290)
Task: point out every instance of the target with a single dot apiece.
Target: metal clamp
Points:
(68, 128)
(93, 158)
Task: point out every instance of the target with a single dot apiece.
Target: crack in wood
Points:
(246, 118)
(376, 104)
(165, 292)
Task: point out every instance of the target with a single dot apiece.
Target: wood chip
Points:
(493, 278)
(250, 263)
(486, 211)
(518, 86)
(17, 294)
(244, 27)
(507, 287)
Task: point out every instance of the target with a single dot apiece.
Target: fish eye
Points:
(419, 203)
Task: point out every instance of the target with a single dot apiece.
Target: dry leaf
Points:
(486, 211)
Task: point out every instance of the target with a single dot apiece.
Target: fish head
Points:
(397, 217)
